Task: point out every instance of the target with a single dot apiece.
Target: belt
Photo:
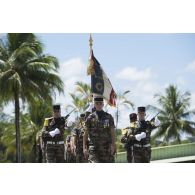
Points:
(142, 146)
(50, 142)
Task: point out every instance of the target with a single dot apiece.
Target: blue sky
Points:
(142, 63)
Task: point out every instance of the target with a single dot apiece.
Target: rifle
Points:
(66, 117)
(154, 117)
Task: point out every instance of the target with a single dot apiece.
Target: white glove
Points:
(156, 122)
(54, 132)
(140, 136)
(69, 124)
(91, 106)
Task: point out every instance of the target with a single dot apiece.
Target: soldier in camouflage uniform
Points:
(40, 148)
(70, 156)
(128, 137)
(77, 139)
(142, 146)
(53, 136)
(100, 129)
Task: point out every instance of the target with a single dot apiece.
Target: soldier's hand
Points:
(131, 137)
(86, 153)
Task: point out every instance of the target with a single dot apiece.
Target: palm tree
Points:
(81, 98)
(26, 74)
(28, 135)
(84, 90)
(174, 115)
(39, 110)
(122, 101)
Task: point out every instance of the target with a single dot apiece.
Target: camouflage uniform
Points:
(128, 139)
(54, 145)
(98, 125)
(142, 149)
(78, 132)
(70, 158)
(40, 148)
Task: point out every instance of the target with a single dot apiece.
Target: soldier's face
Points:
(56, 113)
(141, 116)
(99, 106)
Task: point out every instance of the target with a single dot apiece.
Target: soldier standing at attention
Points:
(40, 154)
(128, 136)
(142, 148)
(100, 129)
(77, 139)
(53, 136)
(69, 153)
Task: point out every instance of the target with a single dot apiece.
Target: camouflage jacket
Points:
(51, 124)
(78, 132)
(99, 129)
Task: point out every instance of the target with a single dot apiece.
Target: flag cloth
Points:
(100, 83)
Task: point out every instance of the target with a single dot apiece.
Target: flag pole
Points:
(90, 69)
(90, 43)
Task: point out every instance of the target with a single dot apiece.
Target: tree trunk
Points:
(17, 126)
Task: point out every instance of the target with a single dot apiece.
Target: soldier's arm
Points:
(85, 139)
(113, 136)
(74, 140)
(45, 133)
(124, 138)
(153, 124)
(61, 128)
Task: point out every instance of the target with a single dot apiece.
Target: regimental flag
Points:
(100, 83)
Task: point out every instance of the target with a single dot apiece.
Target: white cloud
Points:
(71, 68)
(180, 81)
(191, 66)
(71, 71)
(133, 74)
(144, 92)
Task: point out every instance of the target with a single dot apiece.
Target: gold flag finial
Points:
(90, 69)
(90, 42)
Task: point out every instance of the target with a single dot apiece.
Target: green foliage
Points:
(8, 139)
(174, 115)
(26, 74)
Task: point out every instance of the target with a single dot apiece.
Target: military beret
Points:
(141, 109)
(56, 107)
(133, 116)
(98, 98)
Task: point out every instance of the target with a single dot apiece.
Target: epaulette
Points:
(46, 122)
(133, 125)
(125, 130)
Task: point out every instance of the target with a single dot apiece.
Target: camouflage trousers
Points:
(100, 155)
(142, 155)
(70, 157)
(80, 157)
(55, 153)
(130, 157)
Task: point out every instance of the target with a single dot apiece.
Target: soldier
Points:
(100, 129)
(142, 146)
(77, 139)
(128, 136)
(40, 148)
(53, 136)
(70, 157)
